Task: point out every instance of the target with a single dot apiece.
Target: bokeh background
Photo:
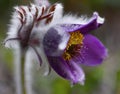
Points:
(103, 79)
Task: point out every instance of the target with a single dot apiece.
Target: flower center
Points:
(74, 45)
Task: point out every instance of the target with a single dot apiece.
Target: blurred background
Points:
(103, 79)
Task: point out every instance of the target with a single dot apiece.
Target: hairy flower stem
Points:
(17, 70)
(19, 65)
(23, 73)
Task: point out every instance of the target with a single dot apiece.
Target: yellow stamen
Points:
(76, 38)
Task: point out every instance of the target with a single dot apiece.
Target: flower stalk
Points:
(19, 68)
(23, 72)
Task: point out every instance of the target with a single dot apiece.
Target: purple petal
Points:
(67, 70)
(93, 51)
(55, 41)
(93, 23)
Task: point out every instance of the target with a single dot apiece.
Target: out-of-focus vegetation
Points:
(103, 79)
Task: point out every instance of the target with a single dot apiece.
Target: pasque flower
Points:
(64, 40)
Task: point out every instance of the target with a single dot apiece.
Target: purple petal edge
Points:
(93, 51)
(93, 23)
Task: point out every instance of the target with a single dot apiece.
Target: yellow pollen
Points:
(76, 38)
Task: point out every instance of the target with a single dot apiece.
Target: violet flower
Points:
(80, 48)
(63, 41)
